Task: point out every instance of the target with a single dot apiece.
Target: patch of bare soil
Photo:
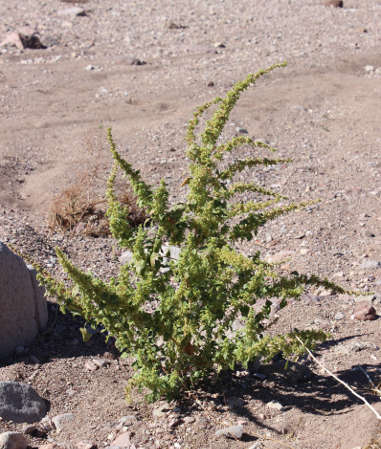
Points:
(142, 68)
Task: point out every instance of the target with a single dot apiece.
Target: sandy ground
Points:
(142, 68)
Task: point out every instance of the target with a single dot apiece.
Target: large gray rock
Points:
(20, 403)
(23, 308)
(13, 440)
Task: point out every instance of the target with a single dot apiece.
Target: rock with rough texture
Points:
(364, 311)
(20, 403)
(13, 440)
(122, 440)
(23, 40)
(13, 39)
(23, 308)
(62, 421)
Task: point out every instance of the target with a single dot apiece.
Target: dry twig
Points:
(339, 380)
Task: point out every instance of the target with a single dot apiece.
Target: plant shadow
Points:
(296, 385)
(62, 339)
(290, 385)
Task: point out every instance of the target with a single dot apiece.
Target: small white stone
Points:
(275, 405)
(174, 251)
(90, 365)
(232, 431)
(101, 362)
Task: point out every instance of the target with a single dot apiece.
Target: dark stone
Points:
(21, 403)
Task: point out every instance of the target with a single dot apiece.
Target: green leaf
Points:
(86, 335)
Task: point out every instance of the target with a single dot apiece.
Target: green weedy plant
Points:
(175, 317)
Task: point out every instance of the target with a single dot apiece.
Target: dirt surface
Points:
(142, 68)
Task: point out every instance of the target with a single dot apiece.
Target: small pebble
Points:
(90, 365)
(364, 311)
(161, 410)
(275, 405)
(257, 445)
(127, 420)
(137, 61)
(241, 130)
(101, 362)
(235, 432)
(189, 420)
(47, 424)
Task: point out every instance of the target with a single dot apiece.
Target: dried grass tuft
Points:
(81, 208)
(75, 211)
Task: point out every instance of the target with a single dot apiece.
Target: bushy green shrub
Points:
(174, 316)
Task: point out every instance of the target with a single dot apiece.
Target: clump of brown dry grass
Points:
(74, 210)
(80, 207)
